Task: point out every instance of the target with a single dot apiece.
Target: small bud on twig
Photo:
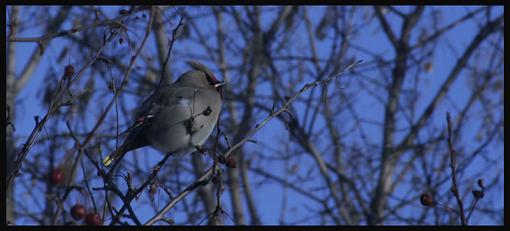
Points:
(37, 119)
(478, 194)
(481, 183)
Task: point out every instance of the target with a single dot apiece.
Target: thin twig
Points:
(52, 108)
(80, 149)
(453, 163)
(115, 21)
(169, 52)
(60, 206)
(124, 79)
(207, 175)
(167, 59)
(132, 194)
(110, 186)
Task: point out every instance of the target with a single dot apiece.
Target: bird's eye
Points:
(211, 79)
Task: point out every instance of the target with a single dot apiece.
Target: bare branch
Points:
(453, 165)
(257, 128)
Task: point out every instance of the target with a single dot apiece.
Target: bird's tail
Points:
(133, 141)
(115, 155)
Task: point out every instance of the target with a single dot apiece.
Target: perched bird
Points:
(177, 117)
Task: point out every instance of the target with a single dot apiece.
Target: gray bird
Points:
(178, 117)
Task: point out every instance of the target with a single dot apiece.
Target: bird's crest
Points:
(201, 67)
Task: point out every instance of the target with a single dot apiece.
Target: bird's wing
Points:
(174, 104)
(194, 106)
(149, 107)
(178, 119)
(207, 109)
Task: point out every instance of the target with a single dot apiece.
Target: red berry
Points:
(93, 219)
(230, 162)
(78, 212)
(57, 176)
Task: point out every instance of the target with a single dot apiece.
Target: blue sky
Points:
(268, 196)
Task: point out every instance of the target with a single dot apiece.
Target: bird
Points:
(177, 118)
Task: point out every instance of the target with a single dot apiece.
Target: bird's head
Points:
(200, 77)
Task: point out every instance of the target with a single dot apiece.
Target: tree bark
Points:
(11, 92)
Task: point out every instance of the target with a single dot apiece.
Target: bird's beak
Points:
(219, 84)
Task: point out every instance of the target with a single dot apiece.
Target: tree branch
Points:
(453, 165)
(207, 175)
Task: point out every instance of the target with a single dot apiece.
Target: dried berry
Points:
(428, 67)
(69, 71)
(93, 219)
(57, 176)
(78, 212)
(426, 199)
(230, 162)
(153, 188)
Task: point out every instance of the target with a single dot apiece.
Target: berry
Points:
(57, 176)
(93, 219)
(230, 162)
(426, 199)
(153, 188)
(78, 212)
(69, 71)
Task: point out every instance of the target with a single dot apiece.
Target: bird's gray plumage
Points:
(178, 117)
